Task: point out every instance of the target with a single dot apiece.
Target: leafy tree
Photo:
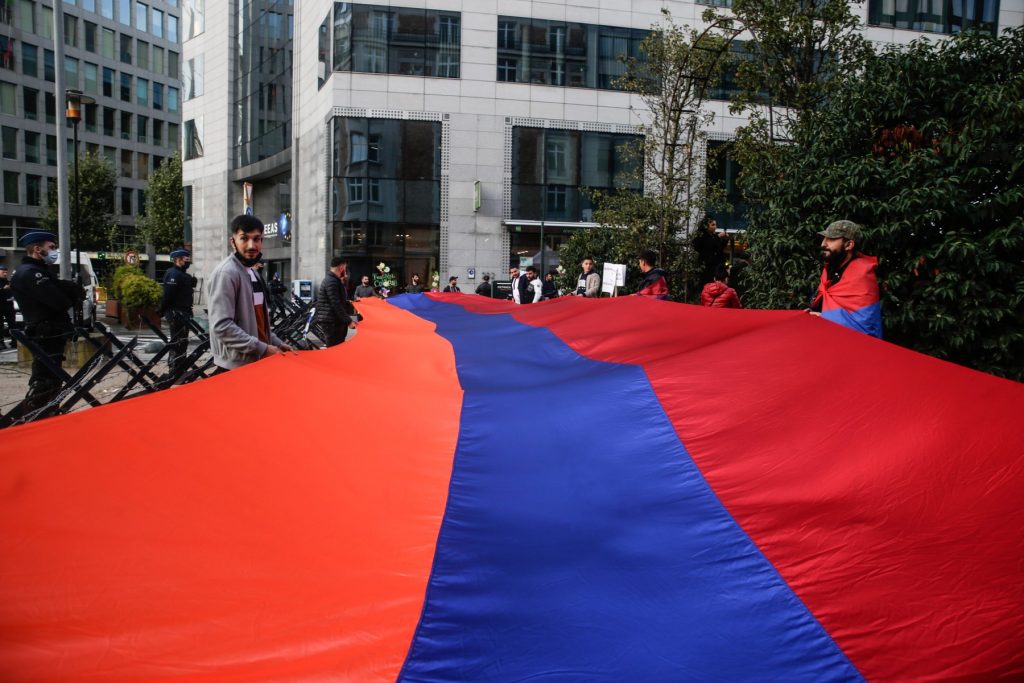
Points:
(96, 224)
(163, 224)
(793, 57)
(679, 68)
(924, 148)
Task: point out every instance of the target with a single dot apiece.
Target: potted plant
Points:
(140, 296)
(115, 308)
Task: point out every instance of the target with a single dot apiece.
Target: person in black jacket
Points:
(332, 304)
(176, 306)
(44, 301)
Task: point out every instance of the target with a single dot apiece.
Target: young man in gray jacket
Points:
(239, 317)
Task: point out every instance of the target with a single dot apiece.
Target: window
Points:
(142, 166)
(141, 128)
(9, 142)
(8, 93)
(172, 135)
(193, 138)
(947, 16)
(108, 121)
(107, 43)
(172, 100)
(396, 40)
(354, 190)
(51, 150)
(71, 30)
(50, 105)
(32, 150)
(507, 69)
(126, 125)
(507, 35)
(194, 18)
(126, 49)
(25, 17)
(107, 8)
(126, 201)
(29, 60)
(564, 54)
(142, 16)
(126, 163)
(726, 170)
(11, 194)
(172, 64)
(126, 87)
(157, 23)
(551, 169)
(192, 77)
(140, 199)
(142, 92)
(88, 5)
(90, 36)
(158, 60)
(33, 190)
(357, 147)
(158, 132)
(124, 12)
(90, 73)
(90, 118)
(172, 28)
(30, 103)
(71, 73)
(49, 72)
(142, 54)
(158, 96)
(108, 82)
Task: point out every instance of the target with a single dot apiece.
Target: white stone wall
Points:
(209, 175)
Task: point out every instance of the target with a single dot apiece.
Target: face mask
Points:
(185, 265)
(248, 262)
(51, 257)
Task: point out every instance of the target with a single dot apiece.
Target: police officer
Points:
(45, 302)
(6, 308)
(176, 306)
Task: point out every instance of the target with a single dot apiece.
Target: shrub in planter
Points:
(140, 296)
(120, 274)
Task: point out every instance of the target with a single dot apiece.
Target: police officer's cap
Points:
(180, 253)
(36, 236)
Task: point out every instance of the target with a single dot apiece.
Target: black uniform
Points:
(44, 301)
(176, 309)
(6, 310)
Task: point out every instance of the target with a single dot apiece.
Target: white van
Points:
(89, 282)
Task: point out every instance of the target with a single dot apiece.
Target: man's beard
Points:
(248, 262)
(833, 259)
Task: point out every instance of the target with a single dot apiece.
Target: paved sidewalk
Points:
(15, 370)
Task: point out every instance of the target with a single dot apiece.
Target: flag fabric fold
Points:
(620, 489)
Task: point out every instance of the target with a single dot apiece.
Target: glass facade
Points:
(262, 121)
(396, 40)
(572, 55)
(386, 194)
(935, 16)
(722, 168)
(552, 168)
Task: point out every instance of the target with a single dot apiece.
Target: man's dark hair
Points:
(531, 269)
(721, 274)
(453, 278)
(588, 258)
(649, 257)
(338, 260)
(704, 222)
(246, 223)
(487, 278)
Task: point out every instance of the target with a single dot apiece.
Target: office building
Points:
(124, 54)
(440, 137)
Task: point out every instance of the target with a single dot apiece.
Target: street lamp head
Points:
(75, 100)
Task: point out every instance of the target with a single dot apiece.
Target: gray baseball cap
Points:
(845, 229)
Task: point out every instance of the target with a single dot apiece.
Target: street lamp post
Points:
(75, 101)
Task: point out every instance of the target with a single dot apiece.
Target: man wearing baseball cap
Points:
(176, 306)
(45, 302)
(848, 291)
